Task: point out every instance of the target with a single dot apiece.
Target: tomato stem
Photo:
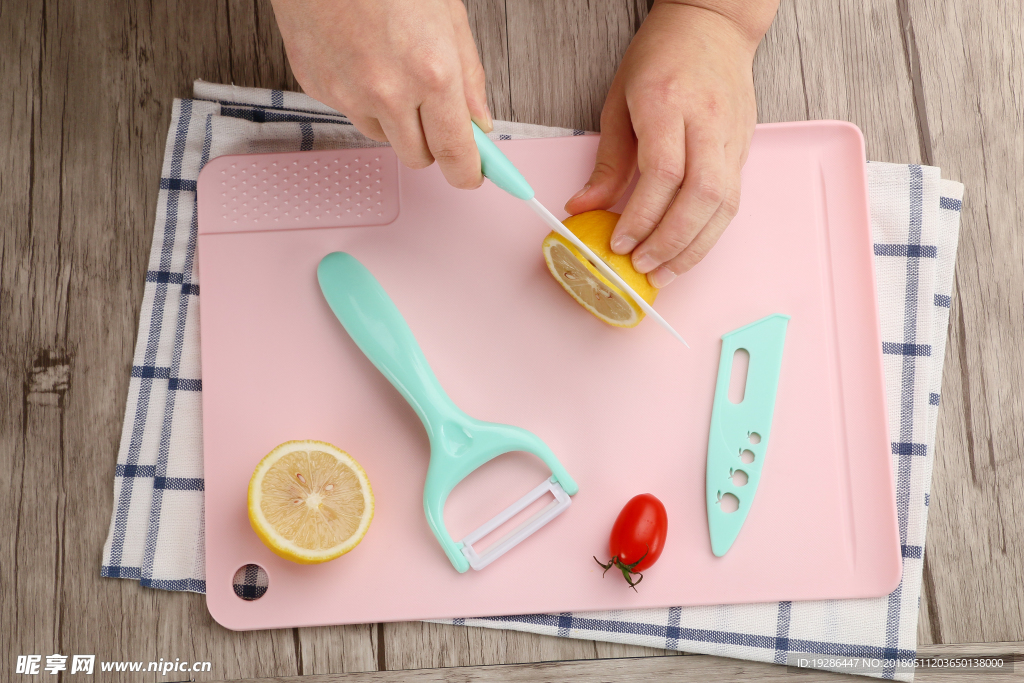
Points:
(611, 563)
(627, 569)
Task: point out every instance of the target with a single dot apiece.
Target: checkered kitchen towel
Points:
(156, 529)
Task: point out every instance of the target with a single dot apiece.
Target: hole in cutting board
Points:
(747, 456)
(729, 503)
(251, 582)
(739, 477)
(738, 375)
(754, 437)
(490, 489)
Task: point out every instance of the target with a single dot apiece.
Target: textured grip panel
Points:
(356, 187)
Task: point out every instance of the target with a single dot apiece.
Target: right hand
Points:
(405, 72)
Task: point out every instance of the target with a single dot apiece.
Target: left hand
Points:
(681, 108)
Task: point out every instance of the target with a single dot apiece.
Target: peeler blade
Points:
(513, 538)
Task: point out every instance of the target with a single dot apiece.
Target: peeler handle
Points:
(496, 166)
(381, 333)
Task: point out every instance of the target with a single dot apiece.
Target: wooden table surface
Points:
(85, 99)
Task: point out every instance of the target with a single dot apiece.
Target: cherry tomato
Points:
(638, 536)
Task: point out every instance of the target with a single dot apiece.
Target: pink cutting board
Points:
(626, 411)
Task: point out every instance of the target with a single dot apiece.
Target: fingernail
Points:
(580, 193)
(644, 263)
(490, 119)
(623, 244)
(661, 277)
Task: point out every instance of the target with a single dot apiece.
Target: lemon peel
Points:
(584, 282)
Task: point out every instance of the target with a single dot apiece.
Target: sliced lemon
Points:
(310, 502)
(584, 282)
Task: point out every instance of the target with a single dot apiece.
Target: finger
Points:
(616, 160)
(661, 157)
(369, 126)
(474, 80)
(446, 126)
(701, 194)
(738, 150)
(700, 245)
(407, 138)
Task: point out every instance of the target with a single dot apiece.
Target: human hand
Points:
(403, 71)
(681, 109)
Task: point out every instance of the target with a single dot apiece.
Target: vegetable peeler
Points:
(459, 443)
(503, 173)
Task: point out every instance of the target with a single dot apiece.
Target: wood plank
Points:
(971, 61)
(20, 28)
(855, 68)
(337, 649)
(692, 668)
(33, 341)
(107, 210)
(520, 646)
(928, 628)
(564, 56)
(991, 649)
(255, 51)
(778, 71)
(415, 645)
(623, 651)
(41, 524)
(487, 20)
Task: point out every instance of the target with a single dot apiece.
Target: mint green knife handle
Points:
(499, 169)
(459, 443)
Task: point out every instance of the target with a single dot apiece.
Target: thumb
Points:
(616, 158)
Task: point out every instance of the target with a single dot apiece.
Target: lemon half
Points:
(310, 502)
(584, 282)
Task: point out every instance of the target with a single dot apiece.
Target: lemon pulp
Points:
(584, 282)
(310, 502)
